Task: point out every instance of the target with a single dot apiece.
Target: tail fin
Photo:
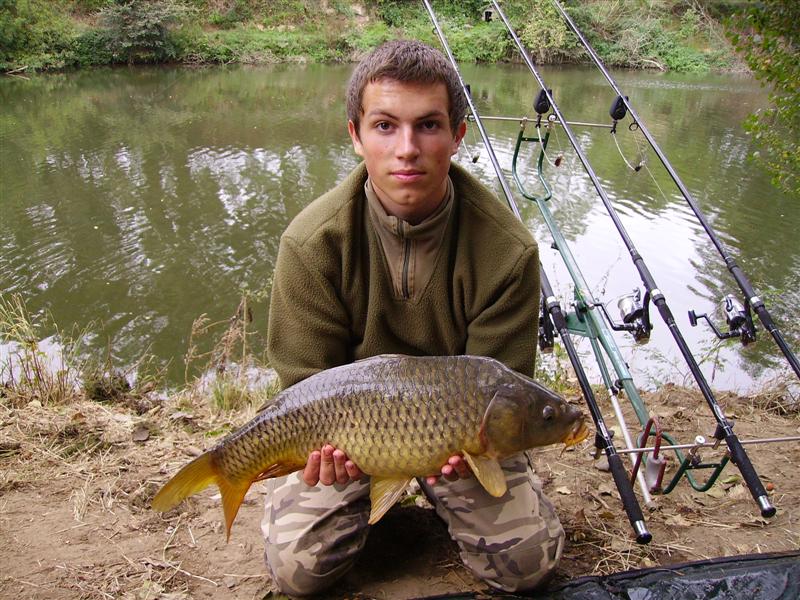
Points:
(197, 476)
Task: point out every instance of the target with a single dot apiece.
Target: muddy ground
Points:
(76, 482)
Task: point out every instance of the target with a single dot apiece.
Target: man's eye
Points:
(383, 126)
(430, 125)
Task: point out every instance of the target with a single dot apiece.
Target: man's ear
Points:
(460, 132)
(351, 129)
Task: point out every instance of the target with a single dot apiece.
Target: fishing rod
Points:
(738, 317)
(603, 437)
(724, 429)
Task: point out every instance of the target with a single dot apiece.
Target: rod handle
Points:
(741, 460)
(629, 501)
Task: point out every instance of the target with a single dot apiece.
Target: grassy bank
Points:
(36, 35)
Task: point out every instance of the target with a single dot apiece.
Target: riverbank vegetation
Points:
(769, 39)
(681, 35)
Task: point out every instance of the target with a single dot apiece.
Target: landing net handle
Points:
(602, 436)
(724, 429)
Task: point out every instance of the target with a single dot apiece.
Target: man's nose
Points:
(407, 146)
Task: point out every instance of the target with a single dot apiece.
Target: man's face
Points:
(406, 142)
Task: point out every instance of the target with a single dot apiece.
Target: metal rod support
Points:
(530, 120)
(711, 444)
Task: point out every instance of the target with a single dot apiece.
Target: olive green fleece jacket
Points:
(332, 295)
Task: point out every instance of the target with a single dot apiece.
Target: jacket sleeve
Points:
(308, 326)
(507, 327)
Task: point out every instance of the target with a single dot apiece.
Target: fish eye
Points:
(548, 412)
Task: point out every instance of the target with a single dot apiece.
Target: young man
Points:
(410, 255)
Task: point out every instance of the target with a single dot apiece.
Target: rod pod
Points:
(602, 436)
(737, 452)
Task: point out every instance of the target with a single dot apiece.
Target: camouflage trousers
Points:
(313, 535)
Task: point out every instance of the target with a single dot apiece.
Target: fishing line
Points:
(637, 168)
(560, 157)
(641, 153)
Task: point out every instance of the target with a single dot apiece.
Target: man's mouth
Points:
(407, 175)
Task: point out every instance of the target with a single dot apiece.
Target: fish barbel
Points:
(396, 417)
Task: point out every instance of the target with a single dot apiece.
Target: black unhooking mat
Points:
(749, 577)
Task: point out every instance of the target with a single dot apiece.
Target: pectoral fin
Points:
(383, 493)
(489, 473)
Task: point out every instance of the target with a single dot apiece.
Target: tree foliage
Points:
(767, 35)
(31, 27)
(139, 30)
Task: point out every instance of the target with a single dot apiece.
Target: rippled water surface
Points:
(138, 200)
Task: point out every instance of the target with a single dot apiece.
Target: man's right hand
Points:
(328, 466)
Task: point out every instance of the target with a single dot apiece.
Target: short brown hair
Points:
(405, 61)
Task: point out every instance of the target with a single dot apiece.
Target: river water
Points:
(133, 201)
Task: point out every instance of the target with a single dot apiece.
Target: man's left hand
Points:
(455, 468)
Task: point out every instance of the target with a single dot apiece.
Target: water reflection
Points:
(144, 198)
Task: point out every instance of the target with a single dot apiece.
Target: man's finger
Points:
(352, 470)
(460, 465)
(311, 472)
(339, 460)
(449, 472)
(327, 470)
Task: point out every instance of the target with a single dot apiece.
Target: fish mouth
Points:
(578, 433)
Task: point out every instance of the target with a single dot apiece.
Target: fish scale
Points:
(396, 417)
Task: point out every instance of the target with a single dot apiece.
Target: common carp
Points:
(396, 417)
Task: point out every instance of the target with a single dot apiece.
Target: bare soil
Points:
(76, 482)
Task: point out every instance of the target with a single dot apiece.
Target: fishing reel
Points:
(546, 331)
(635, 315)
(738, 317)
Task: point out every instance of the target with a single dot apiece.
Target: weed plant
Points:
(28, 371)
(58, 369)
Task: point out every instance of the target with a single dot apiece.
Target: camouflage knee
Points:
(312, 534)
(513, 542)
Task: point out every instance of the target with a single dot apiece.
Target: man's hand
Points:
(329, 466)
(455, 468)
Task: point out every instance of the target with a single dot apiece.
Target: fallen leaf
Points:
(677, 521)
(755, 522)
(601, 464)
(738, 492)
(563, 490)
(606, 489)
(185, 416)
(620, 545)
(732, 479)
(716, 492)
(140, 434)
